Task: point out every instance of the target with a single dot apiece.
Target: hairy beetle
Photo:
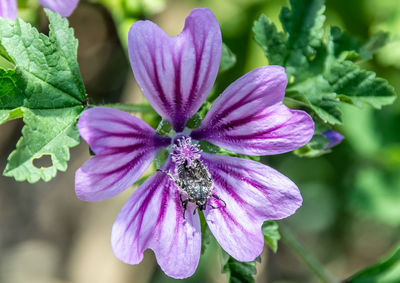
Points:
(195, 182)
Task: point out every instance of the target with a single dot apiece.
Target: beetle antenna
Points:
(168, 173)
(184, 205)
(218, 198)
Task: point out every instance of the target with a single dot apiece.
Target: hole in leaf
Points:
(44, 161)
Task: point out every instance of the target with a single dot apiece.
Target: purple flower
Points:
(8, 8)
(334, 138)
(176, 74)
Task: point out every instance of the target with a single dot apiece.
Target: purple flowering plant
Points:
(206, 149)
(176, 74)
(9, 8)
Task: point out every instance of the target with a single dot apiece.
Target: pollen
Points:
(185, 152)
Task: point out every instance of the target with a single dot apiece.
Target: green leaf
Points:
(271, 234)
(161, 158)
(304, 26)
(164, 128)
(141, 180)
(238, 272)
(314, 148)
(353, 48)
(357, 86)
(46, 132)
(386, 271)
(342, 82)
(46, 88)
(345, 45)
(46, 72)
(271, 41)
(317, 93)
(228, 59)
(320, 68)
(317, 145)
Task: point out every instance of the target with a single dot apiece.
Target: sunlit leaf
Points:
(45, 87)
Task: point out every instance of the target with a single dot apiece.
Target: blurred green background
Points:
(350, 217)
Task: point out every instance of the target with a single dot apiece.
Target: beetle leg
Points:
(184, 205)
(218, 198)
(168, 173)
(213, 207)
(177, 182)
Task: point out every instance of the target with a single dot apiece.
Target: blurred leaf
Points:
(141, 180)
(208, 147)
(161, 158)
(319, 142)
(226, 152)
(194, 122)
(132, 108)
(238, 272)
(164, 128)
(48, 88)
(228, 59)
(316, 147)
(376, 42)
(345, 43)
(362, 135)
(211, 148)
(386, 271)
(376, 194)
(271, 41)
(270, 230)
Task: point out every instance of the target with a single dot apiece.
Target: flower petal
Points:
(176, 73)
(8, 9)
(153, 218)
(124, 146)
(334, 138)
(253, 193)
(272, 130)
(63, 7)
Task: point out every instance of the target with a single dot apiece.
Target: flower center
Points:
(185, 151)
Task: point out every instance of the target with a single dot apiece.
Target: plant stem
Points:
(132, 108)
(290, 240)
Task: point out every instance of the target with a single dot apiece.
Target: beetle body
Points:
(195, 183)
(193, 178)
